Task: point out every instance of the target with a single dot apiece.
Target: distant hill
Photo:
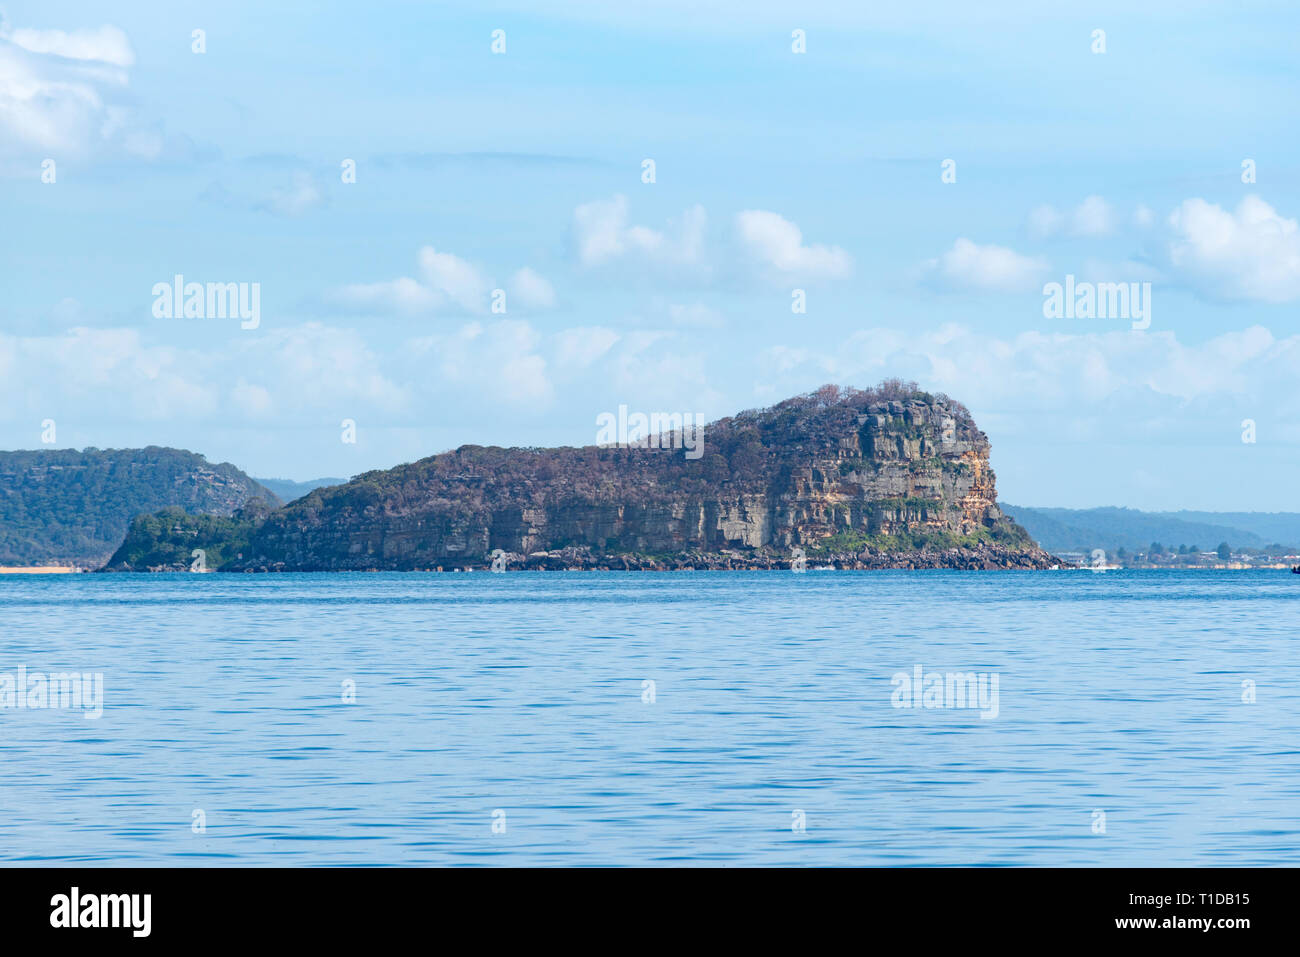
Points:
(1075, 530)
(288, 489)
(1280, 527)
(64, 505)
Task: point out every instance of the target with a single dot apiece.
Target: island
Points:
(890, 477)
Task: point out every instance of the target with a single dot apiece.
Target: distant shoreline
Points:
(38, 570)
(70, 569)
(778, 570)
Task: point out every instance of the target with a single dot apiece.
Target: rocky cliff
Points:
(886, 477)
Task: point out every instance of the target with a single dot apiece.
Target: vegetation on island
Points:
(74, 506)
(174, 540)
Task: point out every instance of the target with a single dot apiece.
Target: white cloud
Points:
(1124, 270)
(254, 400)
(509, 364)
(59, 92)
(523, 379)
(774, 242)
(531, 290)
(404, 296)
(454, 278)
(1034, 371)
(498, 363)
(314, 366)
(108, 44)
(1044, 221)
(447, 283)
(970, 266)
(1092, 218)
(581, 346)
(293, 198)
(600, 228)
(602, 235)
(786, 359)
(1250, 254)
(96, 374)
(302, 196)
(97, 371)
(659, 371)
(696, 315)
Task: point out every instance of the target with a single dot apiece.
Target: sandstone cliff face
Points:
(858, 477)
(908, 466)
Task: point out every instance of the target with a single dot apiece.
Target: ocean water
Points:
(523, 701)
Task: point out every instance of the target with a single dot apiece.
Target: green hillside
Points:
(70, 506)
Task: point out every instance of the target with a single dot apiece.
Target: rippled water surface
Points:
(524, 694)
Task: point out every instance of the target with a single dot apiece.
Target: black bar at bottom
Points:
(335, 907)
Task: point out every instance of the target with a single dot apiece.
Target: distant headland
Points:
(887, 477)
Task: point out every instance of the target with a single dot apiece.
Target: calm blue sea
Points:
(510, 719)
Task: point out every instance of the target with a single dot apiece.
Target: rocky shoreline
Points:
(978, 558)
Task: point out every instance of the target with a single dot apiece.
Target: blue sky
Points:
(775, 171)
